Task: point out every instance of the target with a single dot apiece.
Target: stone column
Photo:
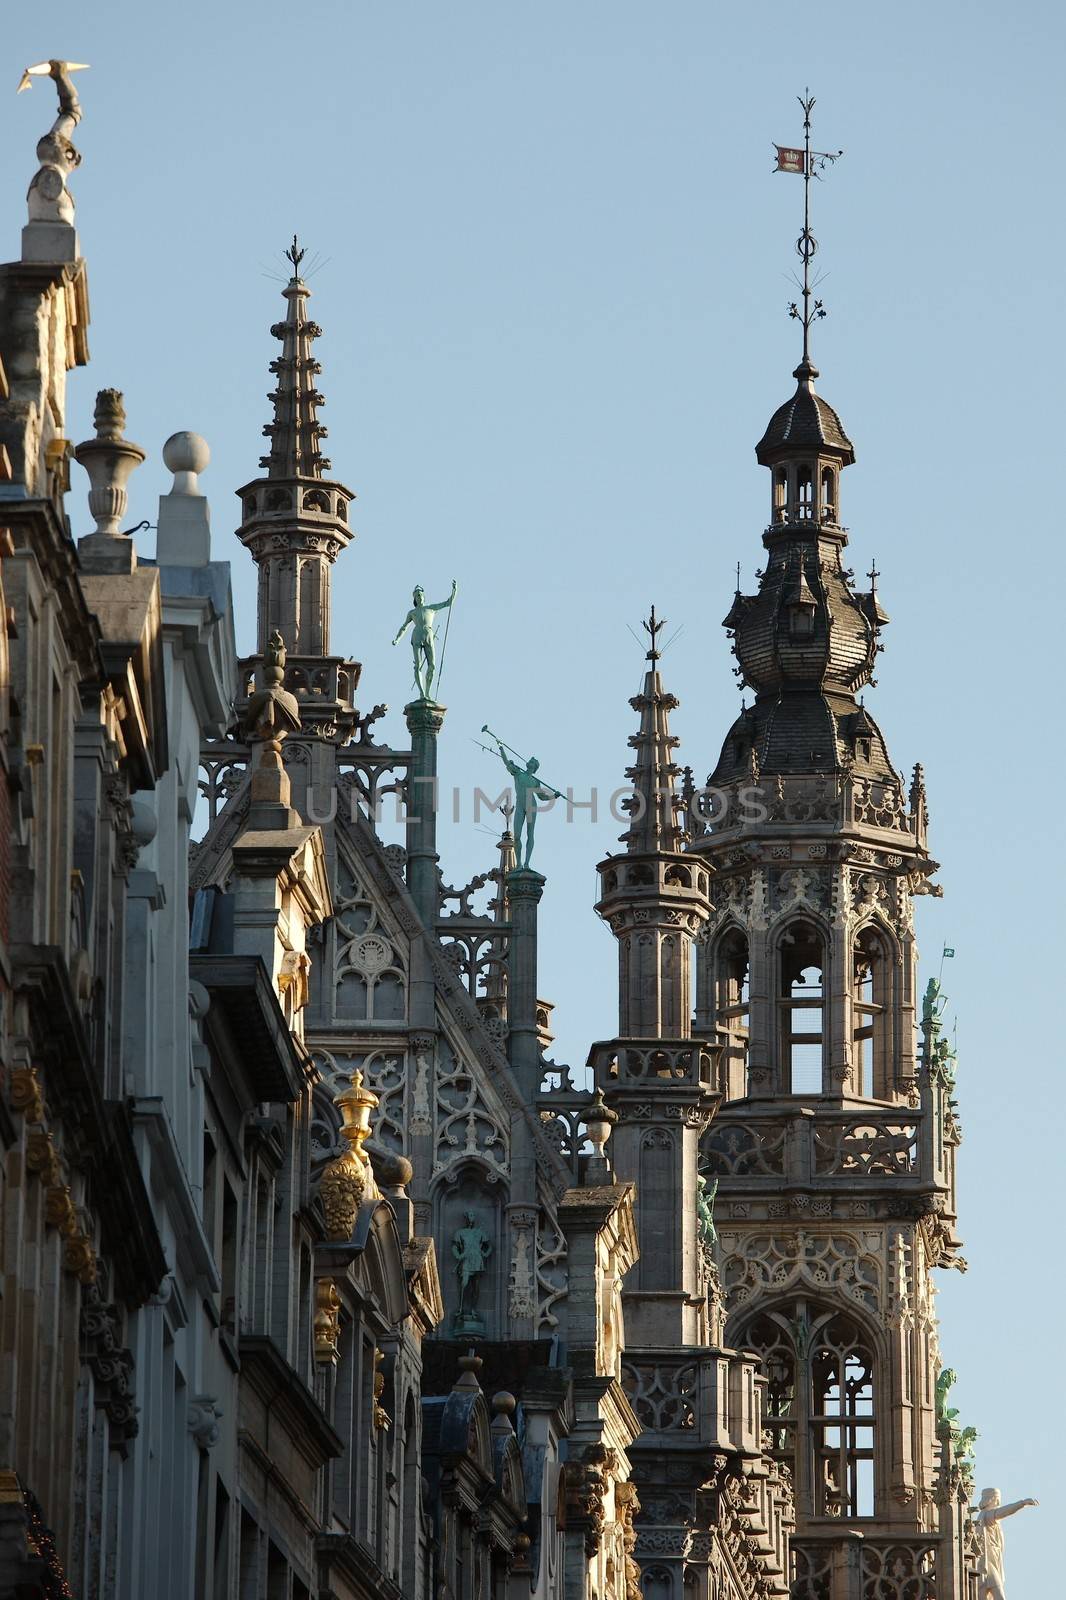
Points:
(424, 721)
(525, 888)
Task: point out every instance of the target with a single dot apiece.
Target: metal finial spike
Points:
(738, 577)
(654, 626)
(873, 575)
(295, 255)
(808, 164)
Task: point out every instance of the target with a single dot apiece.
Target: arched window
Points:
(869, 1013)
(731, 1010)
(829, 495)
(780, 509)
(804, 493)
(842, 1421)
(801, 1003)
(819, 1405)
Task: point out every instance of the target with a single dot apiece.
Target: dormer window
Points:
(862, 749)
(801, 619)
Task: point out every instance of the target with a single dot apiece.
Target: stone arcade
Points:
(318, 1279)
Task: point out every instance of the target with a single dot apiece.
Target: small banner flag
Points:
(790, 160)
(948, 951)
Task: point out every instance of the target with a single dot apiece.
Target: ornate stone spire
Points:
(655, 802)
(653, 898)
(295, 519)
(295, 431)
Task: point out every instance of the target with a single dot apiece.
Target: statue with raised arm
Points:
(529, 788)
(48, 197)
(423, 643)
(986, 1520)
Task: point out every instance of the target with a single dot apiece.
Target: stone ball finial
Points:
(395, 1172)
(186, 455)
(504, 1404)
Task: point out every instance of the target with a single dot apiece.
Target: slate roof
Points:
(806, 422)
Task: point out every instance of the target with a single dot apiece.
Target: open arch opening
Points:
(731, 1003)
(801, 1005)
(820, 1406)
(870, 977)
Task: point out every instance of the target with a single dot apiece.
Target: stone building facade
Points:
(317, 1276)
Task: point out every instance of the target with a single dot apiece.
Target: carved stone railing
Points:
(898, 1570)
(873, 1568)
(812, 1147)
(812, 1571)
(680, 1063)
(867, 1148)
(744, 1150)
(826, 802)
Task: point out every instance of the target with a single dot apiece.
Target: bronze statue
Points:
(423, 643)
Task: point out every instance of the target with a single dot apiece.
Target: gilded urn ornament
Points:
(345, 1178)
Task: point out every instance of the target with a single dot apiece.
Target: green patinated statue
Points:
(471, 1249)
(705, 1211)
(423, 643)
(529, 788)
(932, 1005)
(946, 1059)
(944, 1412)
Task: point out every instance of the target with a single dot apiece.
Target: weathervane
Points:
(809, 164)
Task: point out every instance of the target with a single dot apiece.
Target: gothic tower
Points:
(833, 1149)
(295, 524)
(715, 1509)
(656, 902)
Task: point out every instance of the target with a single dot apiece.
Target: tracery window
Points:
(819, 1407)
(801, 1006)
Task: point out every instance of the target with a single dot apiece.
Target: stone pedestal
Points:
(424, 721)
(50, 241)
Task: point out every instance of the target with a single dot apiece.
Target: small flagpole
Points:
(807, 243)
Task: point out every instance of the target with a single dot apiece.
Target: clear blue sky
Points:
(556, 270)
